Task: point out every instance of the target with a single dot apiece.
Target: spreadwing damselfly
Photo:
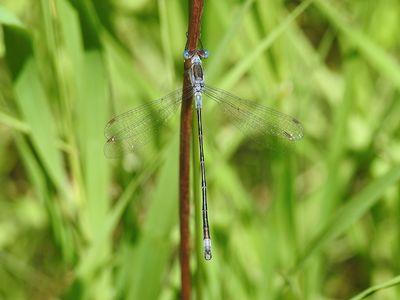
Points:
(133, 129)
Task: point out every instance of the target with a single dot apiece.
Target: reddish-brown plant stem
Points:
(193, 34)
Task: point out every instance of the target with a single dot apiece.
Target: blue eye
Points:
(204, 53)
(186, 54)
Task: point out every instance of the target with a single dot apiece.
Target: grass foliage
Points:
(318, 222)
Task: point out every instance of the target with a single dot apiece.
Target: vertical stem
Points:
(196, 8)
(184, 209)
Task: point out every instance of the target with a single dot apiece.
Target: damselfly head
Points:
(202, 53)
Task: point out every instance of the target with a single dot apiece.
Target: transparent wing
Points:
(131, 130)
(255, 119)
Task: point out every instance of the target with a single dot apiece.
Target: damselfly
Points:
(132, 129)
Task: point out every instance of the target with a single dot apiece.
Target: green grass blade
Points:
(14, 123)
(92, 115)
(217, 58)
(33, 104)
(377, 56)
(376, 288)
(238, 71)
(154, 248)
(93, 104)
(349, 214)
(8, 18)
(166, 44)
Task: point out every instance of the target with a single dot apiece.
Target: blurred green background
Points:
(318, 222)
